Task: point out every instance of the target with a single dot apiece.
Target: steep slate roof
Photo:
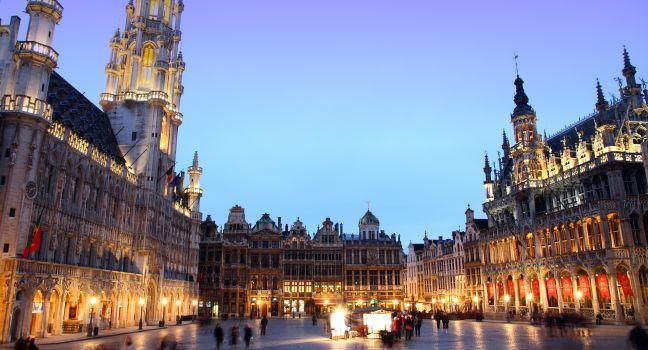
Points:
(79, 114)
(481, 224)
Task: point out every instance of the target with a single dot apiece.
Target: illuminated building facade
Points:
(113, 228)
(567, 214)
(266, 271)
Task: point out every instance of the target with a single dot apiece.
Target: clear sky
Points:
(312, 108)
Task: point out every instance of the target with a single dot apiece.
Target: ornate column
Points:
(637, 295)
(46, 310)
(586, 234)
(574, 280)
(626, 233)
(605, 228)
(559, 291)
(543, 293)
(616, 301)
(594, 292)
(517, 293)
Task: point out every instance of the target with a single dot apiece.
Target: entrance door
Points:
(264, 310)
(14, 331)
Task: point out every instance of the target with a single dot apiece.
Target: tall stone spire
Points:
(601, 103)
(487, 169)
(521, 99)
(506, 146)
(629, 70)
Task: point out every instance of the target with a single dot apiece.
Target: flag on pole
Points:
(34, 242)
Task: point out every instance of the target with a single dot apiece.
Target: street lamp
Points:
(141, 303)
(178, 302)
(475, 300)
(579, 296)
(165, 301)
(93, 301)
(194, 303)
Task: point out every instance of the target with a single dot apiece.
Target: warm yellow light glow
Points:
(359, 302)
(165, 301)
(395, 302)
(529, 297)
(326, 302)
(93, 300)
(178, 302)
(507, 298)
(579, 295)
(475, 299)
(434, 300)
(141, 301)
(194, 302)
(377, 322)
(338, 322)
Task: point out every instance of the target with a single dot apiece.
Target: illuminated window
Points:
(153, 9)
(148, 58)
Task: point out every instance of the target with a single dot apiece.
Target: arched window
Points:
(148, 59)
(154, 8)
(634, 225)
(643, 283)
(615, 230)
(530, 246)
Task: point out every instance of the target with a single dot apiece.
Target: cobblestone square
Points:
(300, 334)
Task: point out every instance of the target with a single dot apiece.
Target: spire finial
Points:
(369, 205)
(601, 103)
(629, 70)
(195, 160)
(515, 57)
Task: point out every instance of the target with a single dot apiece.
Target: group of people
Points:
(408, 325)
(219, 333)
(442, 318)
(28, 343)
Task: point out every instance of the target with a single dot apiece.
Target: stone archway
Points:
(14, 330)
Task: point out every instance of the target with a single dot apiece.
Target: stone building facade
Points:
(114, 228)
(262, 270)
(567, 214)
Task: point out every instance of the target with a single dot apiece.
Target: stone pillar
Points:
(559, 291)
(626, 233)
(615, 299)
(517, 294)
(543, 293)
(594, 291)
(642, 232)
(574, 280)
(605, 228)
(45, 315)
(637, 296)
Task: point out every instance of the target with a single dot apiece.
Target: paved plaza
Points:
(300, 334)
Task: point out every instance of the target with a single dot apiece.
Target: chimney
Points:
(337, 228)
(341, 229)
(279, 223)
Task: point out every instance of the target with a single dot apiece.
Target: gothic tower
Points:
(144, 88)
(25, 116)
(194, 191)
(528, 151)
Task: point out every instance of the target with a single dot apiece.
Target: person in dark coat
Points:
(219, 335)
(19, 344)
(314, 320)
(264, 325)
(446, 320)
(247, 335)
(437, 318)
(638, 337)
(234, 334)
(418, 325)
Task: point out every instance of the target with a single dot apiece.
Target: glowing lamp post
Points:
(194, 303)
(507, 298)
(475, 300)
(141, 304)
(579, 297)
(165, 301)
(178, 319)
(93, 301)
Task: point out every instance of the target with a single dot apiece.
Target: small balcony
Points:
(37, 51)
(26, 104)
(52, 7)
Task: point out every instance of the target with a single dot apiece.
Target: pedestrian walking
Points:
(314, 319)
(247, 335)
(446, 321)
(234, 334)
(437, 318)
(409, 327)
(264, 325)
(418, 325)
(128, 344)
(219, 335)
(638, 337)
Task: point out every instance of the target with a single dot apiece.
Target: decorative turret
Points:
(506, 146)
(193, 190)
(368, 226)
(521, 100)
(601, 103)
(144, 87)
(629, 70)
(487, 170)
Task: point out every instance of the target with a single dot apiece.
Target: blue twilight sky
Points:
(312, 108)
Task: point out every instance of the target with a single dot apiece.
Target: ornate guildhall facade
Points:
(118, 224)
(266, 270)
(568, 214)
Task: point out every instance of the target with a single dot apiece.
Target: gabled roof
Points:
(72, 109)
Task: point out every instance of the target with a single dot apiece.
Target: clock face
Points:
(31, 190)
